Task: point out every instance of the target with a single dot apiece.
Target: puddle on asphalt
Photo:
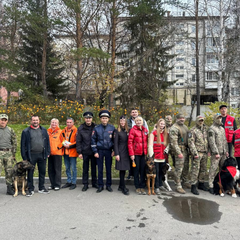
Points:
(193, 210)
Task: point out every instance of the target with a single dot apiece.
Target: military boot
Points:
(194, 190)
(201, 186)
(180, 190)
(10, 190)
(186, 185)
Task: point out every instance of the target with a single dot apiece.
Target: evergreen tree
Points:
(31, 54)
(148, 53)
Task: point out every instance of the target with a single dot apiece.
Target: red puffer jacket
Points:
(137, 141)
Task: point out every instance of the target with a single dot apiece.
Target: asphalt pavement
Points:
(73, 214)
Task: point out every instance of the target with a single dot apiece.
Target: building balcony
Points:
(211, 84)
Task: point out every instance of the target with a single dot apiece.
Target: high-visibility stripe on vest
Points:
(229, 128)
(237, 143)
(158, 148)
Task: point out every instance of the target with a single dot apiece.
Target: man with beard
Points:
(35, 147)
(218, 147)
(198, 145)
(178, 143)
(131, 122)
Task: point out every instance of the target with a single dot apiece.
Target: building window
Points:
(179, 75)
(212, 58)
(193, 28)
(234, 91)
(180, 43)
(193, 77)
(179, 67)
(212, 76)
(179, 59)
(193, 45)
(213, 42)
(179, 50)
(194, 62)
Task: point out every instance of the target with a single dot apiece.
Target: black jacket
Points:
(26, 143)
(83, 142)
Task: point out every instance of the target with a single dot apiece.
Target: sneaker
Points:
(56, 188)
(143, 191)
(157, 191)
(30, 194)
(162, 188)
(138, 191)
(180, 190)
(50, 188)
(45, 191)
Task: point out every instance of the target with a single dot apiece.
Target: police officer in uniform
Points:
(229, 124)
(178, 143)
(84, 150)
(102, 146)
(198, 146)
(218, 148)
(8, 147)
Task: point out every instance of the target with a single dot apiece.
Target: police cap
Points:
(104, 113)
(88, 115)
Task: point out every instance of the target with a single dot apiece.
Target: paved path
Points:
(87, 215)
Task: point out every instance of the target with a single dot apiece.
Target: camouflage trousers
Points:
(215, 163)
(181, 168)
(199, 168)
(6, 161)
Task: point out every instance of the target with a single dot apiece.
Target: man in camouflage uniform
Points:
(8, 147)
(168, 120)
(178, 143)
(218, 147)
(198, 146)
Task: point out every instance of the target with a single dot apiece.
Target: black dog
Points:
(224, 180)
(19, 175)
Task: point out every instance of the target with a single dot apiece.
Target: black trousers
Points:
(85, 176)
(159, 174)
(139, 172)
(55, 170)
(122, 176)
(37, 158)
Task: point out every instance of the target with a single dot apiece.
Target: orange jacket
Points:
(54, 138)
(70, 136)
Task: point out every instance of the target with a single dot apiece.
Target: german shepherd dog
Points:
(150, 173)
(19, 175)
(226, 177)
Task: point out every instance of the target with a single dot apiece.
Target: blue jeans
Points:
(71, 162)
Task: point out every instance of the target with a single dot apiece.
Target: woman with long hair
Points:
(121, 152)
(158, 142)
(137, 147)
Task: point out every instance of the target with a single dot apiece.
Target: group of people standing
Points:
(130, 143)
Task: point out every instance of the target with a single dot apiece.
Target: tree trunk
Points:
(79, 46)
(44, 53)
(112, 74)
(197, 61)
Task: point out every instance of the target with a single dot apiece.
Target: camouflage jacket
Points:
(178, 138)
(217, 140)
(13, 140)
(197, 140)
